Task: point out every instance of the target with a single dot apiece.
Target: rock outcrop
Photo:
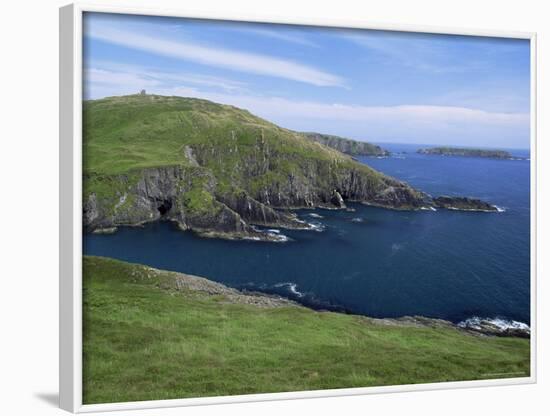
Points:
(463, 204)
(178, 194)
(189, 196)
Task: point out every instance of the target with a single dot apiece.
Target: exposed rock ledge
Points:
(463, 204)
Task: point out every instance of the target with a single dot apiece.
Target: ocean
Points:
(377, 262)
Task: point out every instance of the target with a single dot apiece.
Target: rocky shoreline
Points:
(231, 225)
(185, 282)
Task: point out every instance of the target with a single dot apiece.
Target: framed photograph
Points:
(260, 209)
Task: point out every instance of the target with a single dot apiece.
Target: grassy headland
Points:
(213, 167)
(151, 334)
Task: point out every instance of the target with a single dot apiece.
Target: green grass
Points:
(129, 133)
(144, 340)
(134, 132)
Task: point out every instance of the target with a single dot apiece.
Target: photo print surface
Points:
(275, 208)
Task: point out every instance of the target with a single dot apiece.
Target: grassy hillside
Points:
(139, 131)
(147, 338)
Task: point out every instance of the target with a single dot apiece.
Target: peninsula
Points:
(218, 170)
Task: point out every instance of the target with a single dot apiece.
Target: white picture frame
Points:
(70, 284)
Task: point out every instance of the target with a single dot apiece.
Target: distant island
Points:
(468, 152)
(347, 146)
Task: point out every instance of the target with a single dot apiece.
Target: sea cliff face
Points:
(182, 195)
(190, 197)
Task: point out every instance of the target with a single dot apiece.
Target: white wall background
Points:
(29, 194)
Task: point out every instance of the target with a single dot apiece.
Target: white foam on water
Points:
(476, 210)
(291, 286)
(273, 233)
(395, 247)
(280, 238)
(357, 219)
(316, 226)
(314, 215)
(476, 322)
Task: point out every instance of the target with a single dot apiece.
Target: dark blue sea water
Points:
(382, 263)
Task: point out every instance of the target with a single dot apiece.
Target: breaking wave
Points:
(290, 291)
(273, 233)
(316, 226)
(501, 324)
(292, 287)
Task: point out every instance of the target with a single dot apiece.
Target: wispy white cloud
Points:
(415, 123)
(217, 57)
(115, 73)
(286, 35)
(167, 84)
(426, 115)
(117, 79)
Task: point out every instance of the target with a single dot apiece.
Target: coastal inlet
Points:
(382, 263)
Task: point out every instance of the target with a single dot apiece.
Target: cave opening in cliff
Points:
(164, 207)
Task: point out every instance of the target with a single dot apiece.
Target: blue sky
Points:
(368, 85)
